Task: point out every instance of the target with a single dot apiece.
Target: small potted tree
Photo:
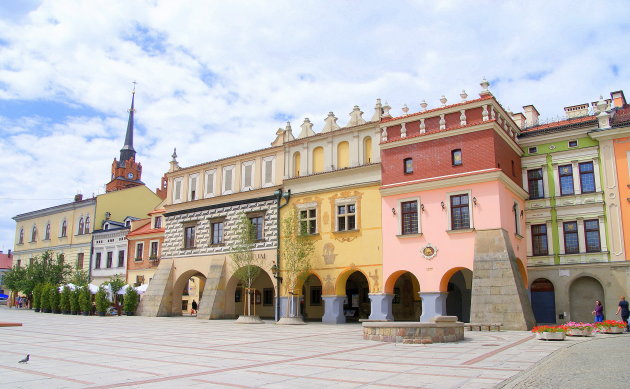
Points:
(44, 298)
(101, 301)
(64, 300)
(85, 300)
(37, 295)
(74, 301)
(131, 300)
(53, 299)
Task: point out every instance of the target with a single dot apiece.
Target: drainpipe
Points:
(279, 196)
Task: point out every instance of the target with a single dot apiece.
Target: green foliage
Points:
(47, 268)
(295, 252)
(80, 278)
(43, 301)
(74, 300)
(64, 299)
(37, 296)
(53, 298)
(101, 300)
(241, 244)
(131, 300)
(14, 278)
(85, 299)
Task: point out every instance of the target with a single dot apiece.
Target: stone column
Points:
(381, 306)
(282, 300)
(433, 304)
(333, 310)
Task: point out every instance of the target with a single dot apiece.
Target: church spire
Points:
(128, 152)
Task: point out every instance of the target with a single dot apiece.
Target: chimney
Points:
(531, 115)
(619, 100)
(519, 119)
(576, 110)
(78, 197)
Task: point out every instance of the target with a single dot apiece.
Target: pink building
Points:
(452, 219)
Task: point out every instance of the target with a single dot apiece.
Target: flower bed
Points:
(549, 332)
(611, 326)
(579, 329)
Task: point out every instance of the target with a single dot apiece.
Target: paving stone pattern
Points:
(180, 352)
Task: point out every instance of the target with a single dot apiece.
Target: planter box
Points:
(550, 335)
(612, 330)
(580, 332)
(36, 309)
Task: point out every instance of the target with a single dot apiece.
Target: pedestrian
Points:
(624, 311)
(598, 312)
(193, 311)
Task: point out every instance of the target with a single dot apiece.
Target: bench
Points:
(482, 326)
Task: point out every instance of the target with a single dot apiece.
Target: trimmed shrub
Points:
(37, 296)
(74, 300)
(131, 300)
(85, 299)
(53, 298)
(64, 299)
(101, 300)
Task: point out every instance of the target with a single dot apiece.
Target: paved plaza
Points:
(140, 352)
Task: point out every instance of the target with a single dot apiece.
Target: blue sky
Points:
(219, 78)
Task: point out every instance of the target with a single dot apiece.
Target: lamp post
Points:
(275, 269)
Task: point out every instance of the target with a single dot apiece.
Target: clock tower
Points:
(126, 172)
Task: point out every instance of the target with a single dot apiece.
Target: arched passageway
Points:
(582, 295)
(262, 297)
(188, 288)
(356, 304)
(406, 304)
(543, 301)
(312, 305)
(459, 291)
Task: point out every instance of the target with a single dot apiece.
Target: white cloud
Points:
(214, 77)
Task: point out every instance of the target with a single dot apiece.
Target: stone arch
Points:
(296, 164)
(178, 286)
(367, 150)
(340, 284)
(391, 281)
(457, 283)
(406, 302)
(312, 305)
(354, 284)
(343, 155)
(583, 291)
(233, 292)
(447, 276)
(523, 271)
(543, 300)
(318, 160)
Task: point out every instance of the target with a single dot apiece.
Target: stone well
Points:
(442, 329)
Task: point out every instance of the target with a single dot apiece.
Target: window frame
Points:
(189, 239)
(259, 227)
(252, 169)
(538, 252)
(588, 247)
(570, 145)
(155, 243)
(588, 173)
(315, 299)
(532, 150)
(21, 236)
(271, 170)
(193, 184)
(410, 227)
(567, 176)
(228, 169)
(178, 188)
(110, 260)
(141, 251)
(220, 241)
(47, 232)
(80, 260)
(346, 204)
(572, 235)
(210, 177)
(97, 260)
(86, 226)
(408, 165)
(309, 221)
(455, 161)
(34, 234)
(64, 229)
(454, 217)
(530, 180)
(157, 222)
(121, 258)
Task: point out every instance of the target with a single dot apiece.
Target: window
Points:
(158, 222)
(139, 250)
(34, 234)
(64, 229)
(566, 179)
(308, 221)
(316, 295)
(408, 165)
(367, 150)
(257, 223)
(110, 258)
(460, 212)
(80, 261)
(128, 223)
(121, 258)
(247, 179)
(532, 150)
(154, 249)
(31, 261)
(177, 190)
(217, 232)
(87, 225)
(19, 263)
(587, 177)
(268, 296)
(591, 233)
(189, 237)
(97, 261)
(409, 212)
(346, 217)
(268, 170)
(571, 245)
(210, 175)
(517, 224)
(539, 240)
(192, 187)
(227, 179)
(343, 155)
(296, 164)
(535, 184)
(456, 157)
(47, 233)
(318, 159)
(21, 240)
(573, 143)
(81, 226)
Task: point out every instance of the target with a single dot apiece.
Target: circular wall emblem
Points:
(429, 251)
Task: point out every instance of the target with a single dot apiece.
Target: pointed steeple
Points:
(127, 152)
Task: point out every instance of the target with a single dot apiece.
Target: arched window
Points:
(64, 228)
(47, 234)
(87, 225)
(318, 159)
(343, 155)
(296, 164)
(81, 225)
(21, 241)
(34, 234)
(367, 150)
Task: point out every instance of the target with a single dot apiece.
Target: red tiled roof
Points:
(146, 230)
(582, 119)
(622, 115)
(6, 261)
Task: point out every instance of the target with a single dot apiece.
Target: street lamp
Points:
(275, 269)
(276, 272)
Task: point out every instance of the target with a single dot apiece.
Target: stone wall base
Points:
(445, 329)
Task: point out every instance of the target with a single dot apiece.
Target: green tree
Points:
(246, 265)
(53, 298)
(131, 300)
(44, 299)
(79, 278)
(116, 282)
(85, 299)
(74, 300)
(37, 296)
(295, 256)
(101, 300)
(64, 299)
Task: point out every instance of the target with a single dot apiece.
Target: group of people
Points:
(21, 302)
(623, 309)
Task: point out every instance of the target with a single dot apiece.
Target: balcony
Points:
(154, 260)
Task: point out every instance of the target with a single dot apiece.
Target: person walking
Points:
(624, 311)
(598, 312)
(193, 311)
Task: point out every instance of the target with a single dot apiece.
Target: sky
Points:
(218, 78)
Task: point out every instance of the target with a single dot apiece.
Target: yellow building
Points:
(334, 180)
